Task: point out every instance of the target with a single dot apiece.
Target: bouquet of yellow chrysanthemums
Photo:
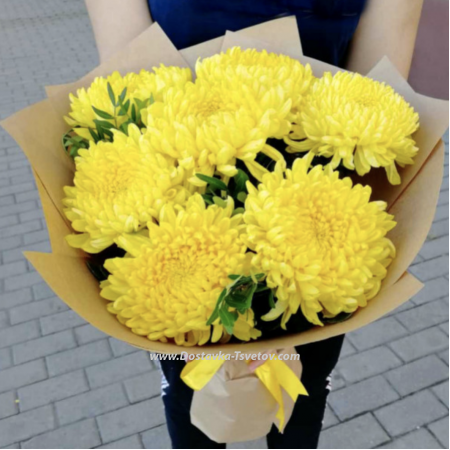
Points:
(219, 204)
(257, 200)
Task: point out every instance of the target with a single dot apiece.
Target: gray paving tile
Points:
(425, 316)
(329, 419)
(26, 425)
(432, 268)
(44, 346)
(362, 397)
(8, 404)
(420, 344)
(91, 404)
(79, 357)
(420, 438)
(60, 321)
(361, 432)
(432, 290)
(118, 369)
(23, 375)
(143, 386)
(440, 430)
(257, 443)
(157, 437)
(418, 375)
(78, 435)
(368, 363)
(51, 390)
(130, 420)
(441, 392)
(411, 412)
(128, 442)
(377, 333)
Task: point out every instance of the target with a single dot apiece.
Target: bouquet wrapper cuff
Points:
(245, 404)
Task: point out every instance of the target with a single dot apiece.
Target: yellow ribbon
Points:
(274, 374)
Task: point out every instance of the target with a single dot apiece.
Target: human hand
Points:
(259, 362)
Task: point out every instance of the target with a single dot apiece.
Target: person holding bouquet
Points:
(352, 34)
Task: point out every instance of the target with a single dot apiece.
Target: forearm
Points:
(116, 23)
(387, 27)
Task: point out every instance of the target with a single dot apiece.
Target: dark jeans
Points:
(303, 429)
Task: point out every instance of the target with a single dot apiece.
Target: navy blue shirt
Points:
(326, 26)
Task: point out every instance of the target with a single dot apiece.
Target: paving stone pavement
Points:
(63, 384)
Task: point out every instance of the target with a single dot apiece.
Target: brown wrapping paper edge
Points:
(71, 280)
(151, 48)
(272, 40)
(414, 213)
(282, 32)
(52, 165)
(290, 37)
(59, 226)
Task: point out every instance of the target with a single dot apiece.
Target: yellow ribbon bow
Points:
(274, 374)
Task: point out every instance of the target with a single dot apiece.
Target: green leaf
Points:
(100, 133)
(122, 96)
(242, 280)
(242, 196)
(259, 276)
(262, 288)
(124, 108)
(215, 313)
(236, 300)
(234, 277)
(102, 114)
(213, 182)
(77, 139)
(94, 135)
(124, 128)
(151, 100)
(73, 151)
(238, 211)
(228, 319)
(111, 95)
(103, 124)
(271, 299)
(64, 140)
(133, 113)
(341, 317)
(208, 199)
(109, 134)
(219, 201)
(141, 104)
(240, 180)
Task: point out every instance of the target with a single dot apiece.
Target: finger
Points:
(258, 362)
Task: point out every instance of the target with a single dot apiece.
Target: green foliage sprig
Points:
(236, 299)
(130, 109)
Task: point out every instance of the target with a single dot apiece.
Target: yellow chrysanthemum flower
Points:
(141, 86)
(207, 127)
(359, 121)
(260, 71)
(321, 241)
(119, 187)
(168, 286)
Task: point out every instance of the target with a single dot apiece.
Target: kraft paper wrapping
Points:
(243, 408)
(38, 130)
